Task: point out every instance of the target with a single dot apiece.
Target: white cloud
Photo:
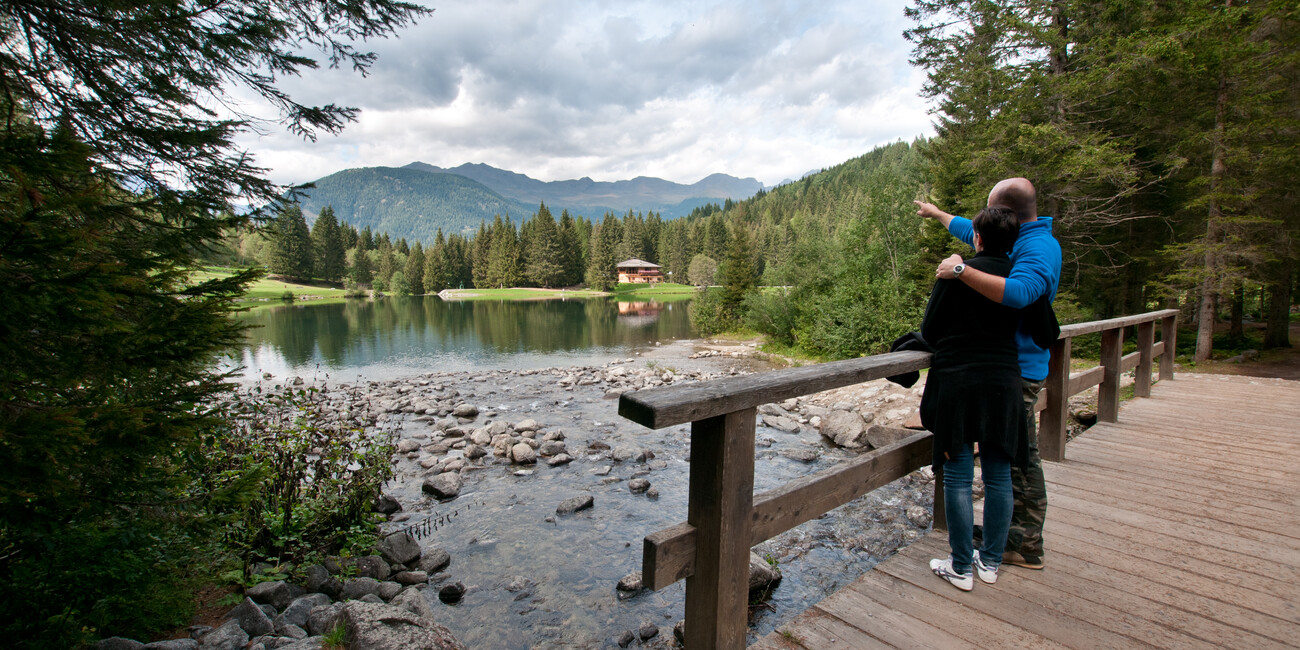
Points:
(612, 90)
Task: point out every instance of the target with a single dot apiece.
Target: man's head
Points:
(1017, 195)
(997, 229)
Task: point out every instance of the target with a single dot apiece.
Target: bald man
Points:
(1035, 272)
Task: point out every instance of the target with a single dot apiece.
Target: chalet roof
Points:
(634, 262)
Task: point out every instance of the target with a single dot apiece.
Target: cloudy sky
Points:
(563, 89)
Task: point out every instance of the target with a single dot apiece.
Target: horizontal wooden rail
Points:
(724, 517)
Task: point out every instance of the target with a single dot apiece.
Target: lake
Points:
(394, 337)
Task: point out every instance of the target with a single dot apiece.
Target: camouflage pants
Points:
(1028, 487)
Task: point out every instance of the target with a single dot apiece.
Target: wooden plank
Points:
(896, 628)
(1091, 327)
(1051, 433)
(1062, 627)
(1174, 501)
(1145, 342)
(1112, 345)
(1207, 461)
(777, 641)
(663, 407)
(973, 626)
(1085, 379)
(810, 497)
(1173, 536)
(1152, 429)
(667, 556)
(1188, 475)
(721, 498)
(1105, 559)
(1168, 338)
(817, 630)
(1207, 620)
(1129, 361)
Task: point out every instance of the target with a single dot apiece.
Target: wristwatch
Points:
(956, 270)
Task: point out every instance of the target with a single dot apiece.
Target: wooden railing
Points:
(724, 516)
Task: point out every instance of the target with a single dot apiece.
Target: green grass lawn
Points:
(659, 291)
(270, 291)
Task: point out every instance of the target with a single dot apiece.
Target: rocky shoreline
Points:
(505, 479)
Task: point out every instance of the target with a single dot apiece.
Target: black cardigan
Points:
(973, 392)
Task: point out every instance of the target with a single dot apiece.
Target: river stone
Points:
(920, 517)
(781, 423)
(434, 560)
(570, 506)
(309, 643)
(638, 485)
(358, 587)
(292, 632)
(474, 452)
(452, 593)
(315, 577)
(227, 637)
(173, 644)
(251, 618)
(559, 459)
(465, 411)
(386, 627)
(399, 548)
(322, 619)
(624, 453)
(443, 486)
(481, 436)
(761, 574)
(527, 424)
(388, 590)
(551, 448)
(407, 445)
(445, 423)
(882, 436)
(647, 632)
(277, 593)
(413, 601)
(372, 566)
(803, 455)
(298, 611)
(118, 643)
(523, 454)
(630, 584)
(845, 428)
(411, 577)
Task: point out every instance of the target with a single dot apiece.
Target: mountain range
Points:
(415, 200)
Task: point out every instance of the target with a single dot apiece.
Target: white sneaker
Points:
(988, 575)
(943, 569)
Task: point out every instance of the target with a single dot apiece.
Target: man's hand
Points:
(944, 272)
(931, 211)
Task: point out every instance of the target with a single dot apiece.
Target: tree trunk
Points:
(1277, 334)
(1238, 311)
(1213, 230)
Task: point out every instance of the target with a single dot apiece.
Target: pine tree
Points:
(329, 255)
(544, 255)
(414, 269)
(570, 251)
(602, 273)
(292, 252)
(437, 275)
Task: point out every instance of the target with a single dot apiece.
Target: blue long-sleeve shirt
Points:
(1036, 270)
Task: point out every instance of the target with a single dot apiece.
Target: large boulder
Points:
(118, 643)
(570, 506)
(443, 486)
(173, 644)
(845, 428)
(251, 618)
(434, 560)
(372, 626)
(523, 454)
(415, 602)
(277, 593)
(358, 587)
(399, 548)
(882, 436)
(227, 637)
(298, 611)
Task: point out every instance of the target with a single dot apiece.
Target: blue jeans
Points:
(958, 473)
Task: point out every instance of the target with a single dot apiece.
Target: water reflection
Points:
(402, 336)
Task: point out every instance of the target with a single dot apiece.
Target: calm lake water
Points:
(394, 337)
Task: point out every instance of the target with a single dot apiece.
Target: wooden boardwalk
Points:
(1177, 527)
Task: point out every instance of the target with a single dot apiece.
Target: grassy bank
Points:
(663, 291)
(519, 293)
(272, 290)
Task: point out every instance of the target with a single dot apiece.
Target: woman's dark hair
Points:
(998, 229)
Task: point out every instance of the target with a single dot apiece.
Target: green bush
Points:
(287, 296)
(318, 479)
(710, 316)
(771, 314)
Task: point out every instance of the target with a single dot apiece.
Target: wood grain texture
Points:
(1159, 534)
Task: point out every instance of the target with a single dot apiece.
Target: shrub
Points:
(710, 316)
(287, 296)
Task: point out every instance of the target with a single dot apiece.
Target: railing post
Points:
(1146, 339)
(1051, 433)
(1169, 336)
(720, 509)
(1112, 349)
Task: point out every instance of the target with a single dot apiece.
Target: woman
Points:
(972, 395)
